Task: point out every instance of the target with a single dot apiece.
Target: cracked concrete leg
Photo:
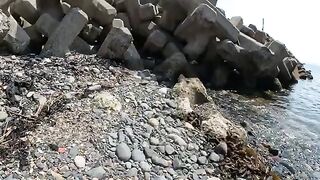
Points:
(16, 39)
(63, 36)
(26, 9)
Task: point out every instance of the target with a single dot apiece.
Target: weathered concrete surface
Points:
(124, 17)
(16, 39)
(172, 67)
(65, 7)
(36, 39)
(249, 43)
(260, 36)
(191, 88)
(99, 10)
(197, 30)
(252, 64)
(155, 41)
(247, 31)
(147, 12)
(116, 43)
(132, 58)
(4, 6)
(46, 25)
(90, 33)
(51, 7)
(26, 9)
(170, 49)
(4, 25)
(237, 21)
(63, 36)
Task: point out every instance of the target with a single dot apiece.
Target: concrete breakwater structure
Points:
(170, 37)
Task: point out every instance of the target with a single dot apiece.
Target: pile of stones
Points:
(170, 37)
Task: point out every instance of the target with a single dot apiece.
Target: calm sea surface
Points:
(289, 121)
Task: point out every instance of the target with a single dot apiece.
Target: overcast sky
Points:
(296, 23)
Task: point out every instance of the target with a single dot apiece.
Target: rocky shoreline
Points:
(96, 89)
(82, 117)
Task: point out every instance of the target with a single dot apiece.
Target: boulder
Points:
(220, 128)
(16, 39)
(66, 32)
(116, 43)
(191, 88)
(26, 9)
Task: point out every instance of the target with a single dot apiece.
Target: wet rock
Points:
(123, 152)
(97, 172)
(138, 155)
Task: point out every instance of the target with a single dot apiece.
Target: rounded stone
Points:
(3, 115)
(202, 160)
(145, 167)
(214, 157)
(123, 152)
(153, 122)
(154, 141)
(80, 161)
(138, 155)
(169, 149)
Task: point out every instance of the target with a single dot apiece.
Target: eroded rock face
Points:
(221, 127)
(193, 89)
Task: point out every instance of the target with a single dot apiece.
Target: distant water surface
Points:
(289, 121)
